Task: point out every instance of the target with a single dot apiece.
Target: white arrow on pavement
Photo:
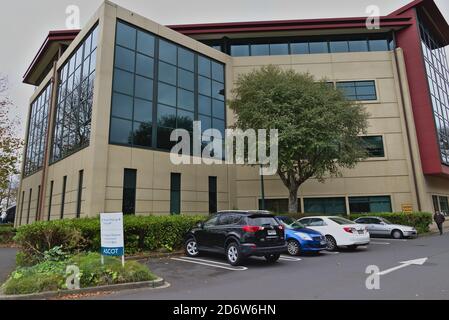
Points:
(403, 264)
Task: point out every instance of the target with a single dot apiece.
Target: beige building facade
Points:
(107, 95)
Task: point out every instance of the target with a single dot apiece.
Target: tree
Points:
(10, 145)
(318, 127)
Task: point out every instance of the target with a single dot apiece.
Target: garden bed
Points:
(50, 274)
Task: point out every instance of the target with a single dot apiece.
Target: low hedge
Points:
(141, 233)
(420, 220)
(7, 233)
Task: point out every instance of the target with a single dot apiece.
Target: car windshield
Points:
(291, 223)
(341, 220)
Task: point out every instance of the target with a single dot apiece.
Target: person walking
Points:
(439, 219)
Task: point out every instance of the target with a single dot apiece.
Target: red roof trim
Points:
(57, 35)
(412, 4)
(262, 26)
(394, 19)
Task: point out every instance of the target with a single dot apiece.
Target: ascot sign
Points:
(111, 228)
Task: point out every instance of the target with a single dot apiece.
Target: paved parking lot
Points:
(330, 275)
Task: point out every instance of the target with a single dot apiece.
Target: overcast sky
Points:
(24, 24)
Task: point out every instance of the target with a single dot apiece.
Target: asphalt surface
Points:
(326, 276)
(7, 262)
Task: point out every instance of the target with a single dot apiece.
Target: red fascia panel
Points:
(409, 40)
(440, 26)
(57, 35)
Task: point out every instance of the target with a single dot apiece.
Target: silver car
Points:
(382, 227)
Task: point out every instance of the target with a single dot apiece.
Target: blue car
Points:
(301, 239)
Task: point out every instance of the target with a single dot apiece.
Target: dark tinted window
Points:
(211, 222)
(212, 194)
(327, 206)
(175, 193)
(129, 191)
(262, 221)
(229, 219)
(374, 146)
(370, 204)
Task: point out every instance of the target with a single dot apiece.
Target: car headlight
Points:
(304, 236)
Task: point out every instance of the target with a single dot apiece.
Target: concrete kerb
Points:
(159, 282)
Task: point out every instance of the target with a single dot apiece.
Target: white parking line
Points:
(384, 243)
(329, 252)
(288, 258)
(403, 240)
(211, 263)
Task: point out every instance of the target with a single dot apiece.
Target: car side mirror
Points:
(200, 225)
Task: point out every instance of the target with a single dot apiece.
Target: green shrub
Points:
(141, 233)
(50, 275)
(39, 237)
(7, 233)
(420, 220)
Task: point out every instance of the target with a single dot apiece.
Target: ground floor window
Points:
(327, 206)
(64, 186)
(129, 191)
(370, 204)
(441, 203)
(50, 199)
(29, 206)
(277, 205)
(175, 193)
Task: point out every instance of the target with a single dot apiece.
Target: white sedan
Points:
(338, 231)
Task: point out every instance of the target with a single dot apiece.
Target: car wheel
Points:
(233, 254)
(331, 243)
(272, 258)
(397, 234)
(293, 247)
(191, 248)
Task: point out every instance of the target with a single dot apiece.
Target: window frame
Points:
(89, 79)
(363, 101)
(155, 101)
(380, 158)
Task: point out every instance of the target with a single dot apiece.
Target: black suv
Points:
(238, 234)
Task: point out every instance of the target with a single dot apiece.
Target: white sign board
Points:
(111, 226)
